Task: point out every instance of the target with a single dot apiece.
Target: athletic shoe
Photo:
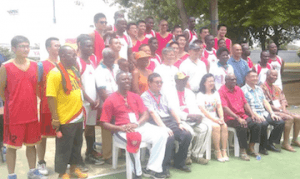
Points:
(91, 159)
(42, 168)
(12, 176)
(152, 174)
(78, 174)
(35, 174)
(83, 167)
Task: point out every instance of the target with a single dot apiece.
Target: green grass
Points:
(284, 165)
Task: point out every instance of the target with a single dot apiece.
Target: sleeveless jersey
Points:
(227, 41)
(262, 72)
(182, 59)
(151, 34)
(162, 42)
(20, 94)
(192, 36)
(98, 46)
(276, 64)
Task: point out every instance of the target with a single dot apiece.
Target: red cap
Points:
(133, 142)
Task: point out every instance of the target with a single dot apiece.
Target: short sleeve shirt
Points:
(255, 98)
(234, 100)
(116, 106)
(125, 45)
(209, 102)
(219, 73)
(240, 69)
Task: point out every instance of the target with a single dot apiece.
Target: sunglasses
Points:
(103, 22)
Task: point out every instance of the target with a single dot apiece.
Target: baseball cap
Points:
(180, 76)
(133, 142)
(194, 46)
(141, 54)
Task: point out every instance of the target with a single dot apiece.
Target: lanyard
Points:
(156, 100)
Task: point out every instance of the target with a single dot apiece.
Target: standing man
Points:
(98, 34)
(176, 31)
(188, 111)
(240, 66)
(276, 98)
(163, 114)
(44, 67)
(222, 31)
(130, 116)
(263, 111)
(235, 107)
(163, 36)
(190, 33)
(65, 103)
(209, 52)
(277, 62)
(18, 86)
(141, 27)
(246, 55)
(149, 27)
(106, 85)
(91, 102)
(193, 67)
(115, 46)
(204, 31)
(263, 67)
(167, 70)
(126, 44)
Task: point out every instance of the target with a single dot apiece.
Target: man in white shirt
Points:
(277, 62)
(106, 85)
(209, 52)
(126, 44)
(194, 67)
(188, 111)
(222, 68)
(167, 70)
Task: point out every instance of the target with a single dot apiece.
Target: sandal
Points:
(225, 158)
(219, 159)
(245, 157)
(295, 143)
(288, 148)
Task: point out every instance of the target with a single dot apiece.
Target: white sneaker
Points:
(35, 175)
(42, 169)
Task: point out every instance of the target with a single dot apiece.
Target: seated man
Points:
(235, 107)
(164, 115)
(131, 116)
(189, 112)
(276, 98)
(263, 111)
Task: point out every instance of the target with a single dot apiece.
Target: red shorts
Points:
(28, 134)
(46, 126)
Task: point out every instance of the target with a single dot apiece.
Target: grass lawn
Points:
(284, 165)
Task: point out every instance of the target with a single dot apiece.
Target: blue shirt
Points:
(255, 98)
(240, 69)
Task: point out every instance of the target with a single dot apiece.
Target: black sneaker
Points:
(91, 159)
(153, 174)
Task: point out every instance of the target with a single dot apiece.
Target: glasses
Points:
(103, 22)
(158, 82)
(23, 46)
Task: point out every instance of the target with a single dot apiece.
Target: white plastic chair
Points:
(236, 142)
(256, 146)
(115, 150)
(208, 148)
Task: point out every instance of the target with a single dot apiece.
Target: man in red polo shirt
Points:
(130, 116)
(235, 107)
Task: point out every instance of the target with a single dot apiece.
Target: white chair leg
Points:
(208, 149)
(128, 166)
(115, 151)
(256, 147)
(236, 145)
(228, 147)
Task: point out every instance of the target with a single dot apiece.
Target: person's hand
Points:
(96, 104)
(170, 132)
(256, 118)
(243, 122)
(181, 127)
(55, 123)
(275, 117)
(129, 127)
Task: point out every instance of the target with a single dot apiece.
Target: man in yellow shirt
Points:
(65, 103)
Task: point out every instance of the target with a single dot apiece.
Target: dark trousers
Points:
(275, 135)
(184, 138)
(68, 147)
(241, 132)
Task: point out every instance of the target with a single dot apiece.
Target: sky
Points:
(35, 19)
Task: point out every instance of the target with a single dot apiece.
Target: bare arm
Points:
(112, 127)
(176, 117)
(135, 82)
(228, 111)
(186, 34)
(206, 114)
(157, 119)
(52, 103)
(2, 81)
(220, 112)
(268, 106)
(102, 93)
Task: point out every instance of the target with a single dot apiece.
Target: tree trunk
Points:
(214, 16)
(183, 15)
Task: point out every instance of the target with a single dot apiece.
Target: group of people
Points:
(142, 86)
